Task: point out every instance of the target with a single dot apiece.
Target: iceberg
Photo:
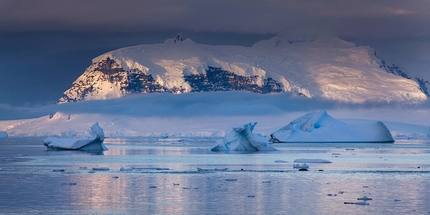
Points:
(319, 127)
(93, 143)
(241, 138)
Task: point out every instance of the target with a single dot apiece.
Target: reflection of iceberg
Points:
(241, 138)
(95, 142)
(321, 127)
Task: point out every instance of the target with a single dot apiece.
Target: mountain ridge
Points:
(325, 67)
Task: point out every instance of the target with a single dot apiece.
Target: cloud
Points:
(209, 104)
(349, 18)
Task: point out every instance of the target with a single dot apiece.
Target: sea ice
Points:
(241, 138)
(318, 126)
(95, 142)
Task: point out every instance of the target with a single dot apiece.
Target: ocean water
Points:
(165, 179)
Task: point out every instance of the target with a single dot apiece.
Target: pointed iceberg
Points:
(319, 127)
(93, 143)
(241, 138)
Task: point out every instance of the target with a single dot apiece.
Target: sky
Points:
(46, 44)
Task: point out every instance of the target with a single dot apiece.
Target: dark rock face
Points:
(137, 82)
(217, 79)
(396, 70)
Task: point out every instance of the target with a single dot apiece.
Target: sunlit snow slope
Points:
(328, 68)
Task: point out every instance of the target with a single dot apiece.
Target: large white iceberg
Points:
(318, 126)
(241, 138)
(93, 143)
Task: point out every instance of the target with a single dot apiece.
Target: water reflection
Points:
(73, 152)
(387, 173)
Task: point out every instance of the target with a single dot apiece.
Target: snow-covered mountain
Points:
(323, 67)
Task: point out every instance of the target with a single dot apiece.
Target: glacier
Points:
(319, 127)
(241, 138)
(93, 143)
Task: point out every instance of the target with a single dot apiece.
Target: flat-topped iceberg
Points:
(93, 143)
(318, 126)
(241, 138)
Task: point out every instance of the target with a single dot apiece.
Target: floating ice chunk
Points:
(126, 169)
(357, 203)
(93, 143)
(241, 138)
(319, 127)
(307, 160)
(364, 198)
(101, 168)
(301, 166)
(71, 184)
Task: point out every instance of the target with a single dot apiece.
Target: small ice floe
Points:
(231, 179)
(281, 161)
(300, 166)
(126, 169)
(70, 184)
(211, 169)
(101, 169)
(364, 198)
(357, 203)
(310, 160)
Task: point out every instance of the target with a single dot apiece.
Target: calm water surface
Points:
(165, 179)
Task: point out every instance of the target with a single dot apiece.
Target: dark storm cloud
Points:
(350, 18)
